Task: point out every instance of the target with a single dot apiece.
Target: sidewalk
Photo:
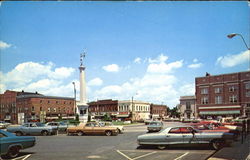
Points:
(236, 151)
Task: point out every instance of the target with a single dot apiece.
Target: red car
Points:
(214, 128)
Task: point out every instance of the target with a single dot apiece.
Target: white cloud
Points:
(95, 82)
(61, 73)
(195, 65)
(156, 86)
(233, 60)
(137, 60)
(160, 59)
(164, 67)
(195, 60)
(4, 45)
(40, 77)
(111, 68)
(187, 89)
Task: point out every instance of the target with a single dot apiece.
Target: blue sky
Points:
(150, 50)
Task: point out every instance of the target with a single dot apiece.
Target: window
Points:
(33, 108)
(175, 130)
(247, 85)
(217, 90)
(48, 109)
(41, 108)
(186, 130)
(204, 91)
(232, 88)
(204, 100)
(41, 101)
(218, 100)
(248, 94)
(54, 109)
(233, 99)
(188, 105)
(48, 101)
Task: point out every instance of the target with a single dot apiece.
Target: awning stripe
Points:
(219, 112)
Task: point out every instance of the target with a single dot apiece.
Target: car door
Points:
(188, 135)
(88, 128)
(25, 128)
(174, 136)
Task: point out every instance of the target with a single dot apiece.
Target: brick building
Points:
(34, 107)
(223, 95)
(158, 111)
(98, 109)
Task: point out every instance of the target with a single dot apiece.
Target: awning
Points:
(122, 115)
(51, 117)
(218, 112)
(217, 107)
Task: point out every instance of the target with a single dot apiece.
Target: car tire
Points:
(217, 144)
(18, 133)
(45, 133)
(161, 147)
(108, 133)
(80, 133)
(13, 152)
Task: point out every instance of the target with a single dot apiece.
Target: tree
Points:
(77, 118)
(174, 112)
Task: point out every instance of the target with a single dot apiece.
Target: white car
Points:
(4, 124)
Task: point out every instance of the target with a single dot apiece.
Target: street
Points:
(121, 147)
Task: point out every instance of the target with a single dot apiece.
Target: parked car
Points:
(4, 124)
(32, 129)
(155, 126)
(186, 136)
(110, 124)
(60, 126)
(214, 128)
(11, 144)
(92, 128)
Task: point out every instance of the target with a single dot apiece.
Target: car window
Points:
(2, 135)
(26, 125)
(33, 125)
(185, 130)
(175, 131)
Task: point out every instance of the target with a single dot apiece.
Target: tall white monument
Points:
(82, 106)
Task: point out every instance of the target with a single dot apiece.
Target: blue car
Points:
(11, 144)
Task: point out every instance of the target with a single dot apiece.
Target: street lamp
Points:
(237, 34)
(74, 96)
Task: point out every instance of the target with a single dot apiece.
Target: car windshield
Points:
(40, 124)
(155, 123)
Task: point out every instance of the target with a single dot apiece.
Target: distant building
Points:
(158, 111)
(98, 109)
(223, 95)
(34, 107)
(137, 110)
(187, 107)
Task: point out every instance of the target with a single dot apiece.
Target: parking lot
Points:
(121, 147)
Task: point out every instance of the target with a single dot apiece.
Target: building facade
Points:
(35, 107)
(223, 95)
(158, 111)
(98, 109)
(187, 107)
(134, 110)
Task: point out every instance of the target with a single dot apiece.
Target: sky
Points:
(151, 51)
